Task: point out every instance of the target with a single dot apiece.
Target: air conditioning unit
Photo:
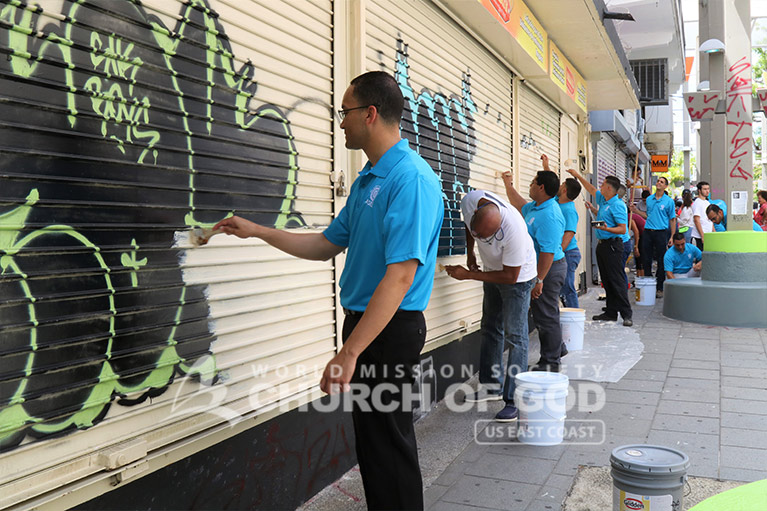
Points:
(652, 78)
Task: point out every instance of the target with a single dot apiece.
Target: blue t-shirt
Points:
(723, 226)
(612, 212)
(681, 262)
(571, 222)
(723, 206)
(546, 226)
(659, 212)
(393, 214)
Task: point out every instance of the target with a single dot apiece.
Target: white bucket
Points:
(541, 398)
(645, 290)
(572, 321)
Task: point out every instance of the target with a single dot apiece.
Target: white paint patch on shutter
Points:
(143, 121)
(539, 126)
(458, 117)
(606, 159)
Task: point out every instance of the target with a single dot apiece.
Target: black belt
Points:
(610, 240)
(400, 312)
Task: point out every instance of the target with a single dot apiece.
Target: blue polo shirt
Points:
(659, 212)
(612, 212)
(723, 226)
(546, 226)
(571, 222)
(681, 262)
(393, 214)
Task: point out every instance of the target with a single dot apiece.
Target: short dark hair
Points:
(762, 194)
(381, 90)
(713, 208)
(549, 180)
(573, 188)
(701, 184)
(614, 183)
(678, 236)
(663, 178)
(645, 194)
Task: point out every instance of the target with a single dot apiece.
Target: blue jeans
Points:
(569, 294)
(504, 320)
(628, 247)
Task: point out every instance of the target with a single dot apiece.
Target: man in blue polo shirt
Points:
(391, 225)
(610, 226)
(683, 259)
(718, 215)
(661, 223)
(546, 226)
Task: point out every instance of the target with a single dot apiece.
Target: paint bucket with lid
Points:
(541, 398)
(571, 321)
(648, 478)
(645, 290)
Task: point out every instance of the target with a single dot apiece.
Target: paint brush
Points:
(199, 236)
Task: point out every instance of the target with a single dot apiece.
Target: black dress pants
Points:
(655, 246)
(385, 440)
(609, 261)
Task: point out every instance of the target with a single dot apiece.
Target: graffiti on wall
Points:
(739, 128)
(117, 134)
(441, 129)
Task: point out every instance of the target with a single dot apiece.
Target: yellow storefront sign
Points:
(567, 77)
(519, 21)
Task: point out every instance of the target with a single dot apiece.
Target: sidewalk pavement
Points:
(699, 389)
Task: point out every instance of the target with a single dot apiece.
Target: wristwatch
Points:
(538, 280)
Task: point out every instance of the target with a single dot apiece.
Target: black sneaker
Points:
(628, 322)
(605, 317)
(508, 414)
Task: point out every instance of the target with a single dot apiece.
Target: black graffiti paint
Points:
(441, 129)
(116, 133)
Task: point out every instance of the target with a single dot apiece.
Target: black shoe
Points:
(604, 308)
(628, 322)
(563, 352)
(605, 317)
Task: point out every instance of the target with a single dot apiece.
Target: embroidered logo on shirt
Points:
(373, 195)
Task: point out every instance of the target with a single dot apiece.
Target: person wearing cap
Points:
(718, 217)
(612, 218)
(508, 276)
(660, 224)
(546, 226)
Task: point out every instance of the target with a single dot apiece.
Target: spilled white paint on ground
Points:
(609, 351)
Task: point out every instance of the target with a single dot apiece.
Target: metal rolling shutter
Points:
(538, 133)
(605, 158)
(123, 125)
(458, 117)
(621, 165)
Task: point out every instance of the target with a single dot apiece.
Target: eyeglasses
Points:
(497, 235)
(342, 113)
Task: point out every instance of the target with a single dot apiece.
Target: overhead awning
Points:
(579, 38)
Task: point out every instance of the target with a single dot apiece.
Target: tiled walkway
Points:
(699, 389)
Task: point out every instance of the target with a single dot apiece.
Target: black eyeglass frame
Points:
(341, 114)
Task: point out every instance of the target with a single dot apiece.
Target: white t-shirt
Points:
(699, 209)
(685, 217)
(515, 248)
